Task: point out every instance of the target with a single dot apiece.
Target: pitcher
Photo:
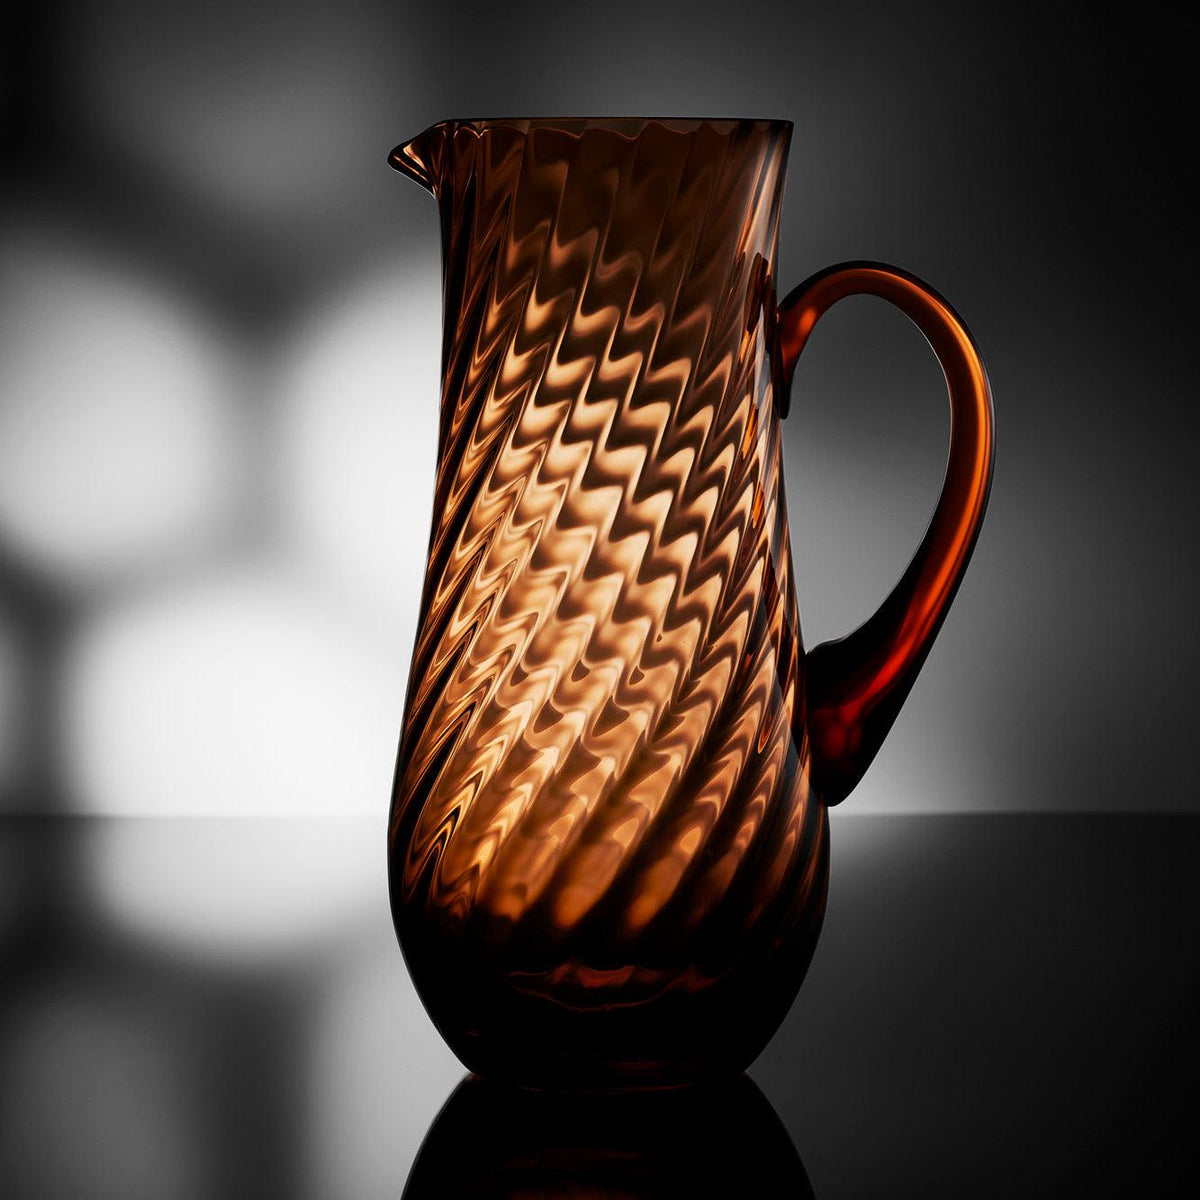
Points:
(608, 844)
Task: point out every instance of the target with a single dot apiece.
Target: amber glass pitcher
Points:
(608, 845)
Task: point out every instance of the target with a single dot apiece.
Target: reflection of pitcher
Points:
(608, 842)
(492, 1143)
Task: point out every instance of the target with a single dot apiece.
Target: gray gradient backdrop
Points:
(218, 357)
(219, 327)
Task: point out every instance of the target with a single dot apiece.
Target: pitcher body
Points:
(608, 844)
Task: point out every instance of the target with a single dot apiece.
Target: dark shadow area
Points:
(1000, 1006)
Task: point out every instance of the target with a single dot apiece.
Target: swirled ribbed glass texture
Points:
(607, 865)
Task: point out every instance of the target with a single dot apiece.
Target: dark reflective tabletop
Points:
(1000, 1006)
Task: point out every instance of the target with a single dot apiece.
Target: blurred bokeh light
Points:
(373, 1039)
(238, 692)
(121, 446)
(357, 437)
(249, 893)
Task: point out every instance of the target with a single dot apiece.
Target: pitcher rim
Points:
(610, 121)
(410, 158)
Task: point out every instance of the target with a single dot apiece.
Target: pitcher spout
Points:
(421, 157)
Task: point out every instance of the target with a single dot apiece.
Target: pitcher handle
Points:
(856, 685)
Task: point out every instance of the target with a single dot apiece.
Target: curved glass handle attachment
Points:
(855, 686)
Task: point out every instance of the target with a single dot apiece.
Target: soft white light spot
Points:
(380, 1074)
(118, 425)
(251, 893)
(358, 443)
(242, 695)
